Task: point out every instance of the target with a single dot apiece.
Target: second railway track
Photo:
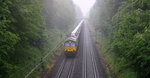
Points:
(89, 66)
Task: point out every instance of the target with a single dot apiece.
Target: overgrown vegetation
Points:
(28, 31)
(123, 30)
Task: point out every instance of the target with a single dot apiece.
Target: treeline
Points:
(59, 14)
(123, 29)
(25, 30)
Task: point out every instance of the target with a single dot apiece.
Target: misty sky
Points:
(85, 5)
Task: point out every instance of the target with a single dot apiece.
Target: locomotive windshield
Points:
(70, 43)
(66, 44)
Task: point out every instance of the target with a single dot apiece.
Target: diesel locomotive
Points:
(71, 43)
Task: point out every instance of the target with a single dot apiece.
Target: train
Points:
(71, 43)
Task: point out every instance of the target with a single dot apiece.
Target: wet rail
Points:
(66, 69)
(89, 68)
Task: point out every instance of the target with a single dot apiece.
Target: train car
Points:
(71, 44)
(71, 47)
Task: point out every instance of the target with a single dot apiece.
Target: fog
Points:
(85, 5)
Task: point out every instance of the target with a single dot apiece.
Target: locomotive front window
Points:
(67, 44)
(72, 44)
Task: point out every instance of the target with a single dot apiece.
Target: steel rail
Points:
(60, 69)
(84, 66)
(72, 65)
(94, 65)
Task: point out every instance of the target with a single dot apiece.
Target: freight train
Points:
(71, 43)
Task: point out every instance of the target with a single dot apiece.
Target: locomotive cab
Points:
(70, 47)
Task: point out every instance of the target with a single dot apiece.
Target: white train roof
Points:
(75, 30)
(71, 38)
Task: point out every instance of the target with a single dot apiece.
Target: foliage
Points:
(7, 39)
(25, 34)
(131, 38)
(128, 30)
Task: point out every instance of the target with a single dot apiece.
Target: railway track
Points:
(60, 69)
(70, 73)
(66, 69)
(90, 69)
(84, 65)
(92, 54)
(95, 69)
